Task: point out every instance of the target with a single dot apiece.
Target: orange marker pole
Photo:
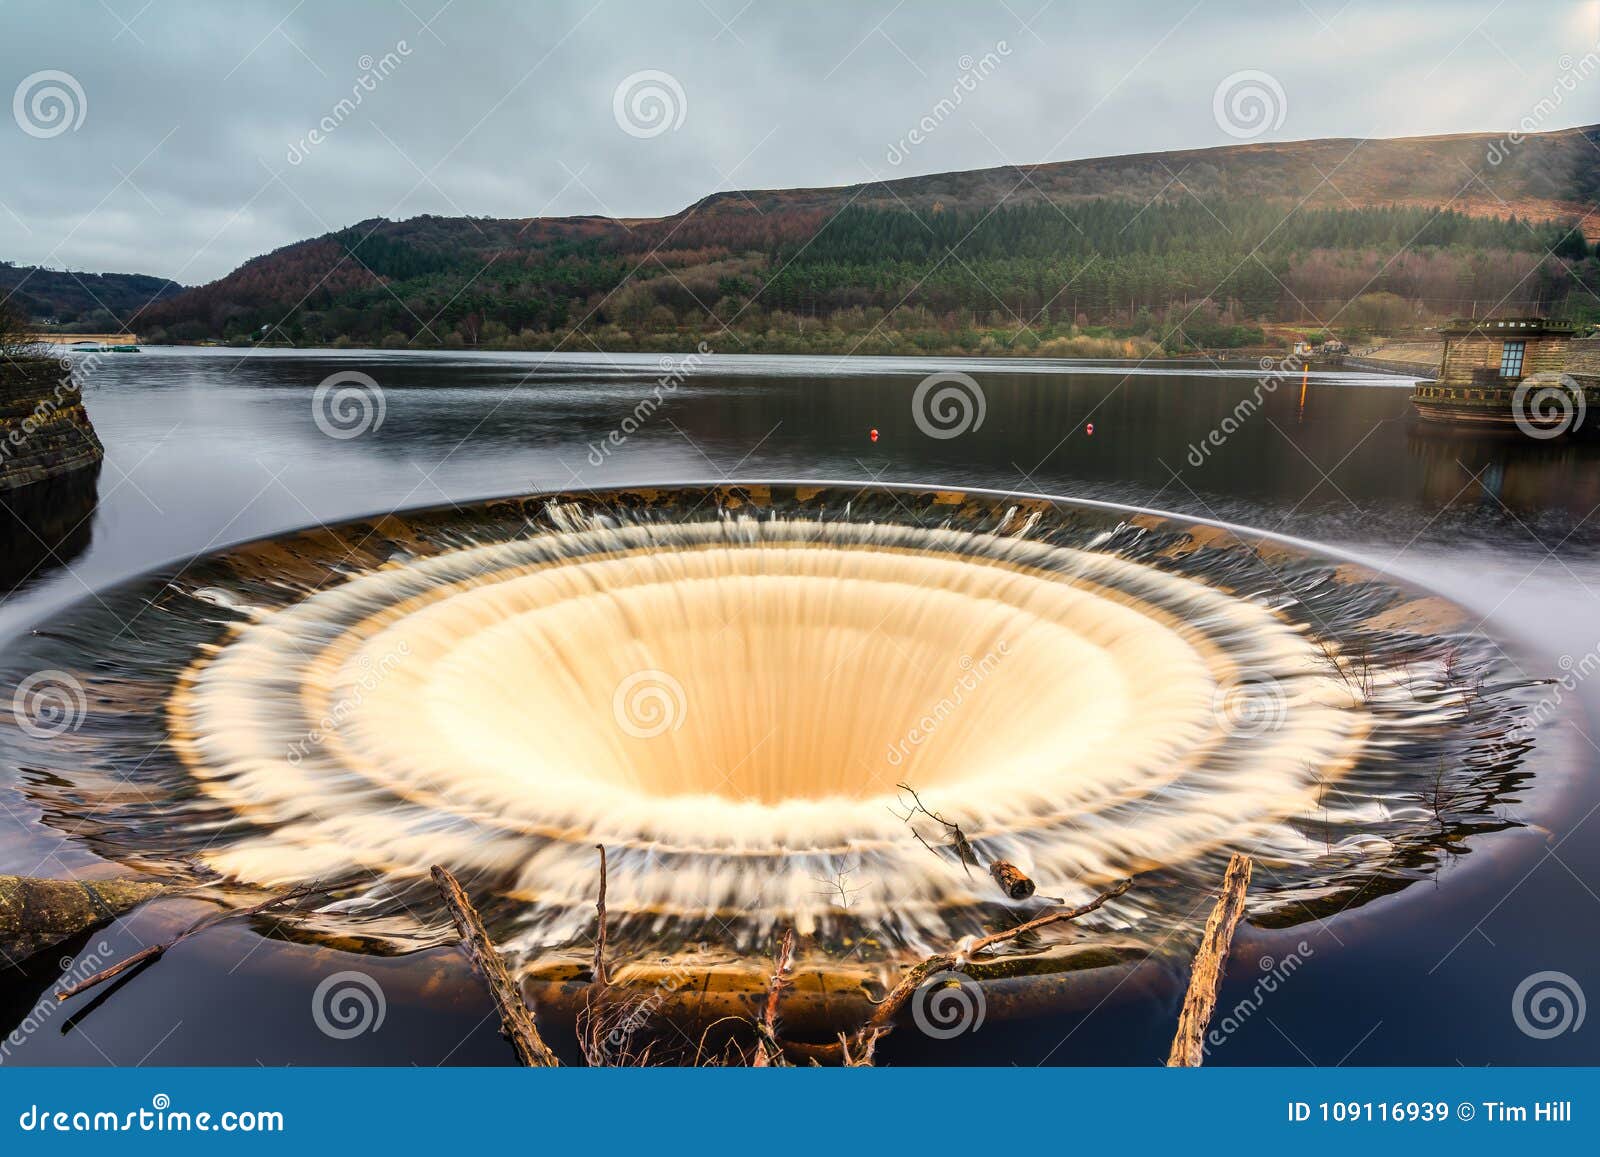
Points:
(1304, 381)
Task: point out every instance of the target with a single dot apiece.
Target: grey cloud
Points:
(182, 167)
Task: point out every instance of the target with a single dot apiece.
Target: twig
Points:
(601, 976)
(1011, 879)
(1205, 978)
(595, 1023)
(857, 1060)
(1099, 901)
(882, 1020)
(700, 1049)
(839, 889)
(516, 1022)
(958, 838)
(154, 951)
(769, 1051)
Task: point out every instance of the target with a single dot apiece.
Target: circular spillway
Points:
(772, 705)
(750, 696)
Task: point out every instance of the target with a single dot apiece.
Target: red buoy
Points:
(874, 434)
(1089, 429)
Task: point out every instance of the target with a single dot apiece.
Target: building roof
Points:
(1507, 327)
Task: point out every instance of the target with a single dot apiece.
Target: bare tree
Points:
(15, 339)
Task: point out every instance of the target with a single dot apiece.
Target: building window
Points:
(1511, 359)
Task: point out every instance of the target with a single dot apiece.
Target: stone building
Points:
(1508, 372)
(1502, 350)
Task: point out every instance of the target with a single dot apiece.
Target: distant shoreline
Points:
(1254, 355)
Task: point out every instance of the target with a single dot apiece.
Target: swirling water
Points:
(205, 452)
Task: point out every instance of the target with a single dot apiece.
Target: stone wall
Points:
(1583, 359)
(1542, 355)
(44, 430)
(1406, 357)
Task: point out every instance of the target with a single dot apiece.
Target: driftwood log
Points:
(35, 913)
(516, 1022)
(1011, 879)
(1210, 961)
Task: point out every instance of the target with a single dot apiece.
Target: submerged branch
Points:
(516, 1022)
(882, 1021)
(154, 951)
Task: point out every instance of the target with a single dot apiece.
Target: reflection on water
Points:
(731, 691)
(45, 525)
(205, 450)
(1554, 483)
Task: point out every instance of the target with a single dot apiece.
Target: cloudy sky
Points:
(182, 137)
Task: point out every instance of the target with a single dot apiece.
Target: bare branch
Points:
(769, 1051)
(601, 977)
(516, 1022)
(1205, 978)
(154, 951)
(881, 1022)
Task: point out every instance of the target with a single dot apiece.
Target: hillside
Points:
(89, 302)
(1545, 177)
(1188, 248)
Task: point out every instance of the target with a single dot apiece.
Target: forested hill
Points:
(1178, 249)
(91, 302)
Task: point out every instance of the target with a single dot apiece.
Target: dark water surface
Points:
(206, 448)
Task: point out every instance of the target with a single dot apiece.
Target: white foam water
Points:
(728, 705)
